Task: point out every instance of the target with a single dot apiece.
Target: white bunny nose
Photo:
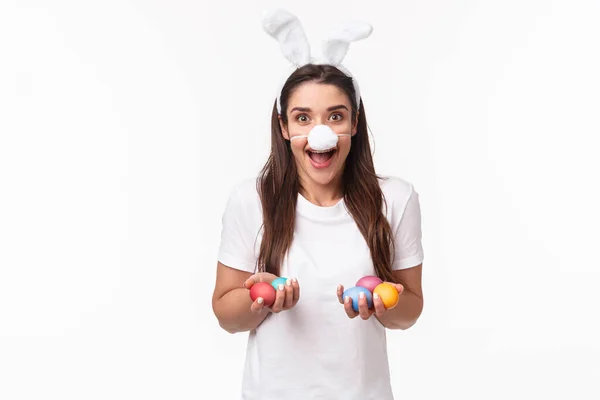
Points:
(321, 137)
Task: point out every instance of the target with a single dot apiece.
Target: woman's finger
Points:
(378, 305)
(249, 282)
(257, 306)
(348, 307)
(296, 287)
(340, 293)
(398, 286)
(363, 306)
(279, 299)
(289, 295)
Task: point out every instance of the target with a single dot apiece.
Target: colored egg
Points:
(388, 294)
(354, 292)
(264, 290)
(277, 282)
(369, 282)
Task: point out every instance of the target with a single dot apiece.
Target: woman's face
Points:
(313, 104)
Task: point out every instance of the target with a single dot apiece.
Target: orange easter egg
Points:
(388, 294)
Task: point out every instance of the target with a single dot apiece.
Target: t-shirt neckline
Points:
(309, 209)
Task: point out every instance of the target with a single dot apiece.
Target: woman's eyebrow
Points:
(306, 109)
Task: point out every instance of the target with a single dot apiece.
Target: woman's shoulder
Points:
(395, 187)
(400, 197)
(243, 195)
(245, 187)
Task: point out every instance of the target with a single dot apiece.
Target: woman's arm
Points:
(410, 304)
(231, 301)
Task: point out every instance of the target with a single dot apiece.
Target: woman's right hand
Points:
(286, 297)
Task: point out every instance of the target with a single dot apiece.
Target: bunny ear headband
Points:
(287, 30)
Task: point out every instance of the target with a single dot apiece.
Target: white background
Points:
(124, 124)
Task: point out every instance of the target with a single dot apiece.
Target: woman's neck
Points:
(322, 195)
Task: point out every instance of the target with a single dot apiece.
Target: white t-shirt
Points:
(314, 351)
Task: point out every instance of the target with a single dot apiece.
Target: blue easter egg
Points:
(278, 281)
(353, 293)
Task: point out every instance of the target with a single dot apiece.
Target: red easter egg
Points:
(264, 290)
(369, 282)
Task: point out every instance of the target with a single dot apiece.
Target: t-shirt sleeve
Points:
(408, 235)
(238, 237)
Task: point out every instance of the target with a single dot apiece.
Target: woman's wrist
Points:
(405, 314)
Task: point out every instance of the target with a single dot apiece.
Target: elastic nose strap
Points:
(305, 136)
(321, 137)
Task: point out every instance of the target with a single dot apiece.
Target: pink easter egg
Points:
(369, 282)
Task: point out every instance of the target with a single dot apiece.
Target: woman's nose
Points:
(319, 121)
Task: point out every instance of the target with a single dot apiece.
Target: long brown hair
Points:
(278, 182)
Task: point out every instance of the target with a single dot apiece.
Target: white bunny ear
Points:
(336, 46)
(287, 30)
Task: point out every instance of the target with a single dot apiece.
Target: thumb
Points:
(251, 281)
(399, 287)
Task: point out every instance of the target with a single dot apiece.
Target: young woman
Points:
(323, 219)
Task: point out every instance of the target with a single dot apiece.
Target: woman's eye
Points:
(339, 117)
(302, 118)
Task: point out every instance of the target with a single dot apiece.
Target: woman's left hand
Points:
(363, 308)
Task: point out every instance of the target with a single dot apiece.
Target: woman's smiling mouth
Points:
(321, 158)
